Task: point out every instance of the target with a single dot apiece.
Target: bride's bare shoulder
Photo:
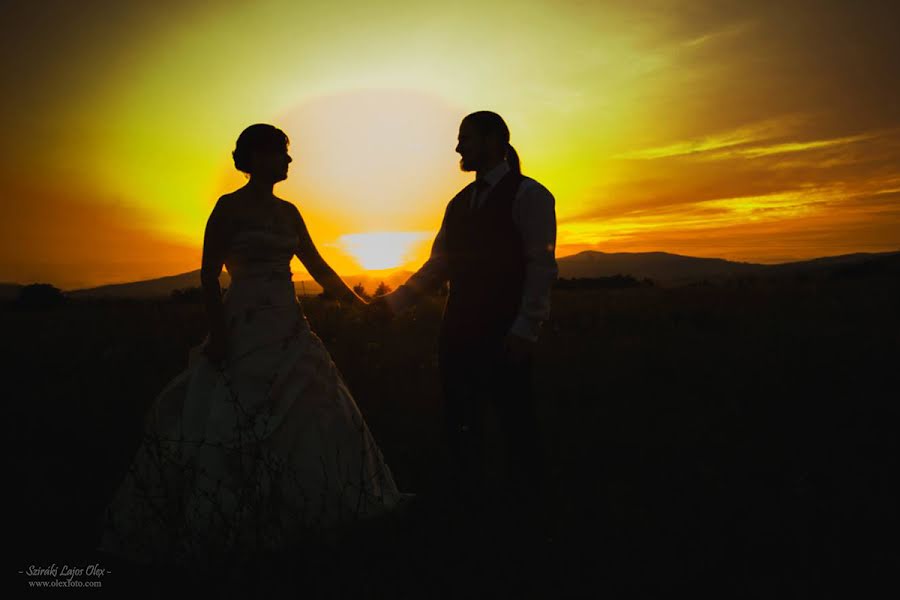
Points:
(288, 207)
(231, 198)
(230, 204)
(286, 204)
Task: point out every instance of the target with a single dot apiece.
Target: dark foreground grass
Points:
(740, 437)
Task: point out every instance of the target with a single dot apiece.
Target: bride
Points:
(258, 441)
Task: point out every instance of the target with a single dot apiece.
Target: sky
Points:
(752, 131)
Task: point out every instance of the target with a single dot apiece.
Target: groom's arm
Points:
(433, 274)
(535, 215)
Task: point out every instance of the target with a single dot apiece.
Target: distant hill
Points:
(164, 286)
(838, 263)
(658, 266)
(662, 267)
(150, 288)
(667, 268)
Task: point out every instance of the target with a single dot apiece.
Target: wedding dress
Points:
(261, 452)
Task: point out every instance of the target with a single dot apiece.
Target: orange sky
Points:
(763, 131)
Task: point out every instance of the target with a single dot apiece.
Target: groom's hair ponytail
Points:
(490, 123)
(512, 157)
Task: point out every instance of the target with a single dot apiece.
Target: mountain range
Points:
(662, 267)
(674, 269)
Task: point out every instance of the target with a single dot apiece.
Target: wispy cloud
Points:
(765, 227)
(740, 143)
(747, 134)
(712, 37)
(705, 215)
(787, 147)
(689, 147)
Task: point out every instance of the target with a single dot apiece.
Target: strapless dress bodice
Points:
(260, 253)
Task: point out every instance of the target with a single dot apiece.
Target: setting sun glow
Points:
(383, 250)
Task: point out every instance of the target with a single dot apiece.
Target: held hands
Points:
(378, 311)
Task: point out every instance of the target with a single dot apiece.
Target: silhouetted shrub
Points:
(360, 291)
(40, 295)
(601, 283)
(884, 266)
(382, 289)
(192, 294)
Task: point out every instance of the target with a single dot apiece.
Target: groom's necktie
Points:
(480, 186)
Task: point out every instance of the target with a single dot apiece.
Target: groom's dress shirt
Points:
(535, 218)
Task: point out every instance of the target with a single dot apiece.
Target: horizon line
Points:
(390, 272)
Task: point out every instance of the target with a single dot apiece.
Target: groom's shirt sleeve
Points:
(534, 212)
(428, 278)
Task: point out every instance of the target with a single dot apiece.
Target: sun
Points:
(374, 160)
(372, 174)
(384, 249)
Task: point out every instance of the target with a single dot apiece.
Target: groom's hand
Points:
(517, 349)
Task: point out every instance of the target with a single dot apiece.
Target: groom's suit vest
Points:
(486, 266)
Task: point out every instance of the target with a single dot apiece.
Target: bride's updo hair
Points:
(260, 137)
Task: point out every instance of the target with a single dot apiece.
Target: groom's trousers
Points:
(476, 378)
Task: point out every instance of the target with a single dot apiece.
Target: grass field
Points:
(741, 435)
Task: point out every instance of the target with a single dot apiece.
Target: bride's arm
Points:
(215, 241)
(320, 271)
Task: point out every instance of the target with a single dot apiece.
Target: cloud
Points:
(743, 142)
(727, 139)
(869, 227)
(787, 225)
(719, 36)
(768, 176)
(785, 147)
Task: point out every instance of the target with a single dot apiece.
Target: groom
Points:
(496, 248)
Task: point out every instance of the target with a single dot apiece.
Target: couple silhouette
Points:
(259, 441)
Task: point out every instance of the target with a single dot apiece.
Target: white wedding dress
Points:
(261, 453)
